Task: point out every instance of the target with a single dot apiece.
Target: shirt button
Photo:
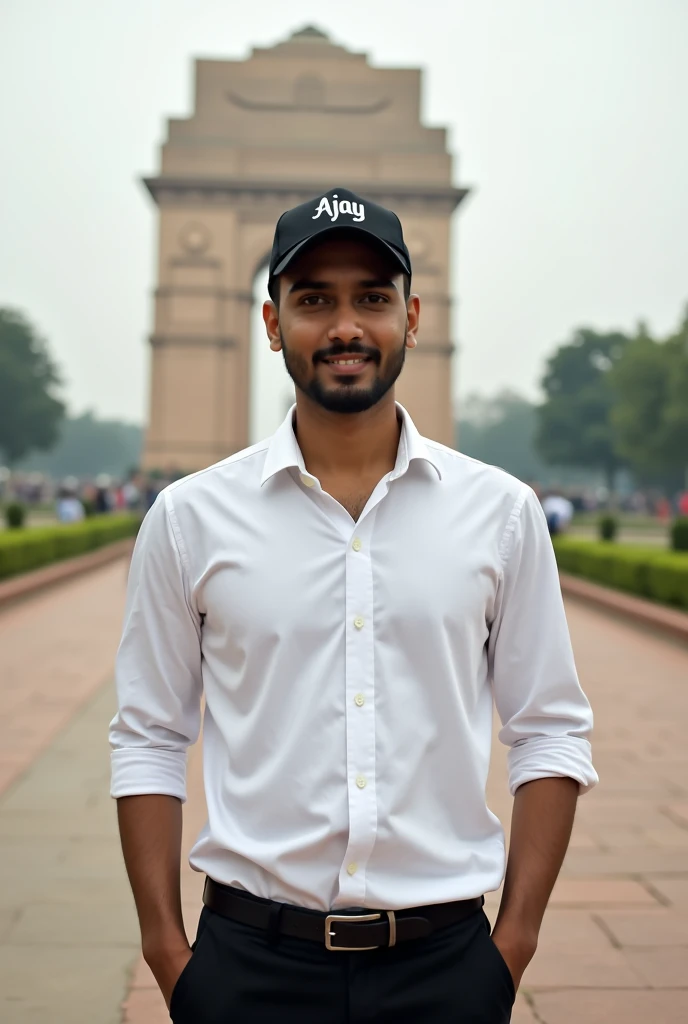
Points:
(358, 622)
(361, 781)
(307, 481)
(357, 544)
(359, 700)
(352, 868)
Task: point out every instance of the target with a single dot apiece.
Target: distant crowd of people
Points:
(560, 506)
(74, 499)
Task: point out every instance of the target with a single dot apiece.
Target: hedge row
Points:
(647, 572)
(33, 547)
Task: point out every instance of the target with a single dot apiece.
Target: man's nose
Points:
(345, 326)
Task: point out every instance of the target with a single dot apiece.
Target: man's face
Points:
(343, 324)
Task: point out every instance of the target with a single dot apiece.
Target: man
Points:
(348, 596)
(558, 513)
(68, 507)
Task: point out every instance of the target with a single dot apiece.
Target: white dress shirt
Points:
(348, 670)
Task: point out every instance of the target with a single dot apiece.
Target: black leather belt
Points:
(349, 931)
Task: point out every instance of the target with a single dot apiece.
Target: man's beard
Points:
(346, 397)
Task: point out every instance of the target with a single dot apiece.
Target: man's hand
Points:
(517, 952)
(151, 830)
(540, 830)
(167, 969)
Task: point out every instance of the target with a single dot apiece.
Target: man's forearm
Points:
(541, 825)
(151, 833)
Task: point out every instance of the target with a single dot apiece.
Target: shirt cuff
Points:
(139, 771)
(552, 757)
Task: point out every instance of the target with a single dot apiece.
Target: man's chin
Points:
(345, 398)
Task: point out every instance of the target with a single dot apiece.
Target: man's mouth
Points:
(346, 360)
(347, 365)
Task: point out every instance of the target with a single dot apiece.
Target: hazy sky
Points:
(566, 117)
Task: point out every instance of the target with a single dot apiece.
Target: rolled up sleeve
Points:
(158, 667)
(546, 718)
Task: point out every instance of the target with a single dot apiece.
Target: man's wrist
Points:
(517, 932)
(517, 946)
(162, 945)
(525, 944)
(167, 965)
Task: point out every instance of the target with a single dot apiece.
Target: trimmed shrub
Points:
(608, 527)
(668, 579)
(24, 549)
(89, 507)
(679, 534)
(15, 515)
(653, 573)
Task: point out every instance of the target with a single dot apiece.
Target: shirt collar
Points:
(284, 452)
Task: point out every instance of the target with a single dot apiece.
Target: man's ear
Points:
(412, 321)
(271, 320)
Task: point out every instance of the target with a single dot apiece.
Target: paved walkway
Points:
(615, 942)
(68, 932)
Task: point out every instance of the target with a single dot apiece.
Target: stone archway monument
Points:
(266, 134)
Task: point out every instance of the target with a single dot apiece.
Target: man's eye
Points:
(312, 300)
(375, 299)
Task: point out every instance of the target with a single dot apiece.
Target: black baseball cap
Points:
(338, 210)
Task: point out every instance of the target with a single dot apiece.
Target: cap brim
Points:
(297, 249)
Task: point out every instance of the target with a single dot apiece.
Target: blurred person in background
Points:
(558, 513)
(683, 503)
(131, 494)
(663, 509)
(152, 488)
(68, 508)
(104, 498)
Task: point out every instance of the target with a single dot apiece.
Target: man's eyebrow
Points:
(305, 285)
(378, 282)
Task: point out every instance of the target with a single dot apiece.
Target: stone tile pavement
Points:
(68, 931)
(56, 650)
(614, 945)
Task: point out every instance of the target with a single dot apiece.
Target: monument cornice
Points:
(203, 291)
(174, 189)
(167, 446)
(191, 341)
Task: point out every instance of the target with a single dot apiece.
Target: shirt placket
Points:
(360, 715)
(359, 686)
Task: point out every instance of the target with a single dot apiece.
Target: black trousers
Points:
(237, 976)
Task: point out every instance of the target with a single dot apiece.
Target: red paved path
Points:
(615, 942)
(56, 650)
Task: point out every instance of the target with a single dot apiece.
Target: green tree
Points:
(30, 414)
(574, 422)
(88, 446)
(650, 413)
(499, 431)
(676, 410)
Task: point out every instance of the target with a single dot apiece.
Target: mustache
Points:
(355, 348)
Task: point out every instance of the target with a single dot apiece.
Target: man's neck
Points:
(351, 444)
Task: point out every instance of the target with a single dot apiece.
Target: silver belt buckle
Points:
(329, 935)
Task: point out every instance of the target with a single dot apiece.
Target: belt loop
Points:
(274, 923)
(392, 928)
